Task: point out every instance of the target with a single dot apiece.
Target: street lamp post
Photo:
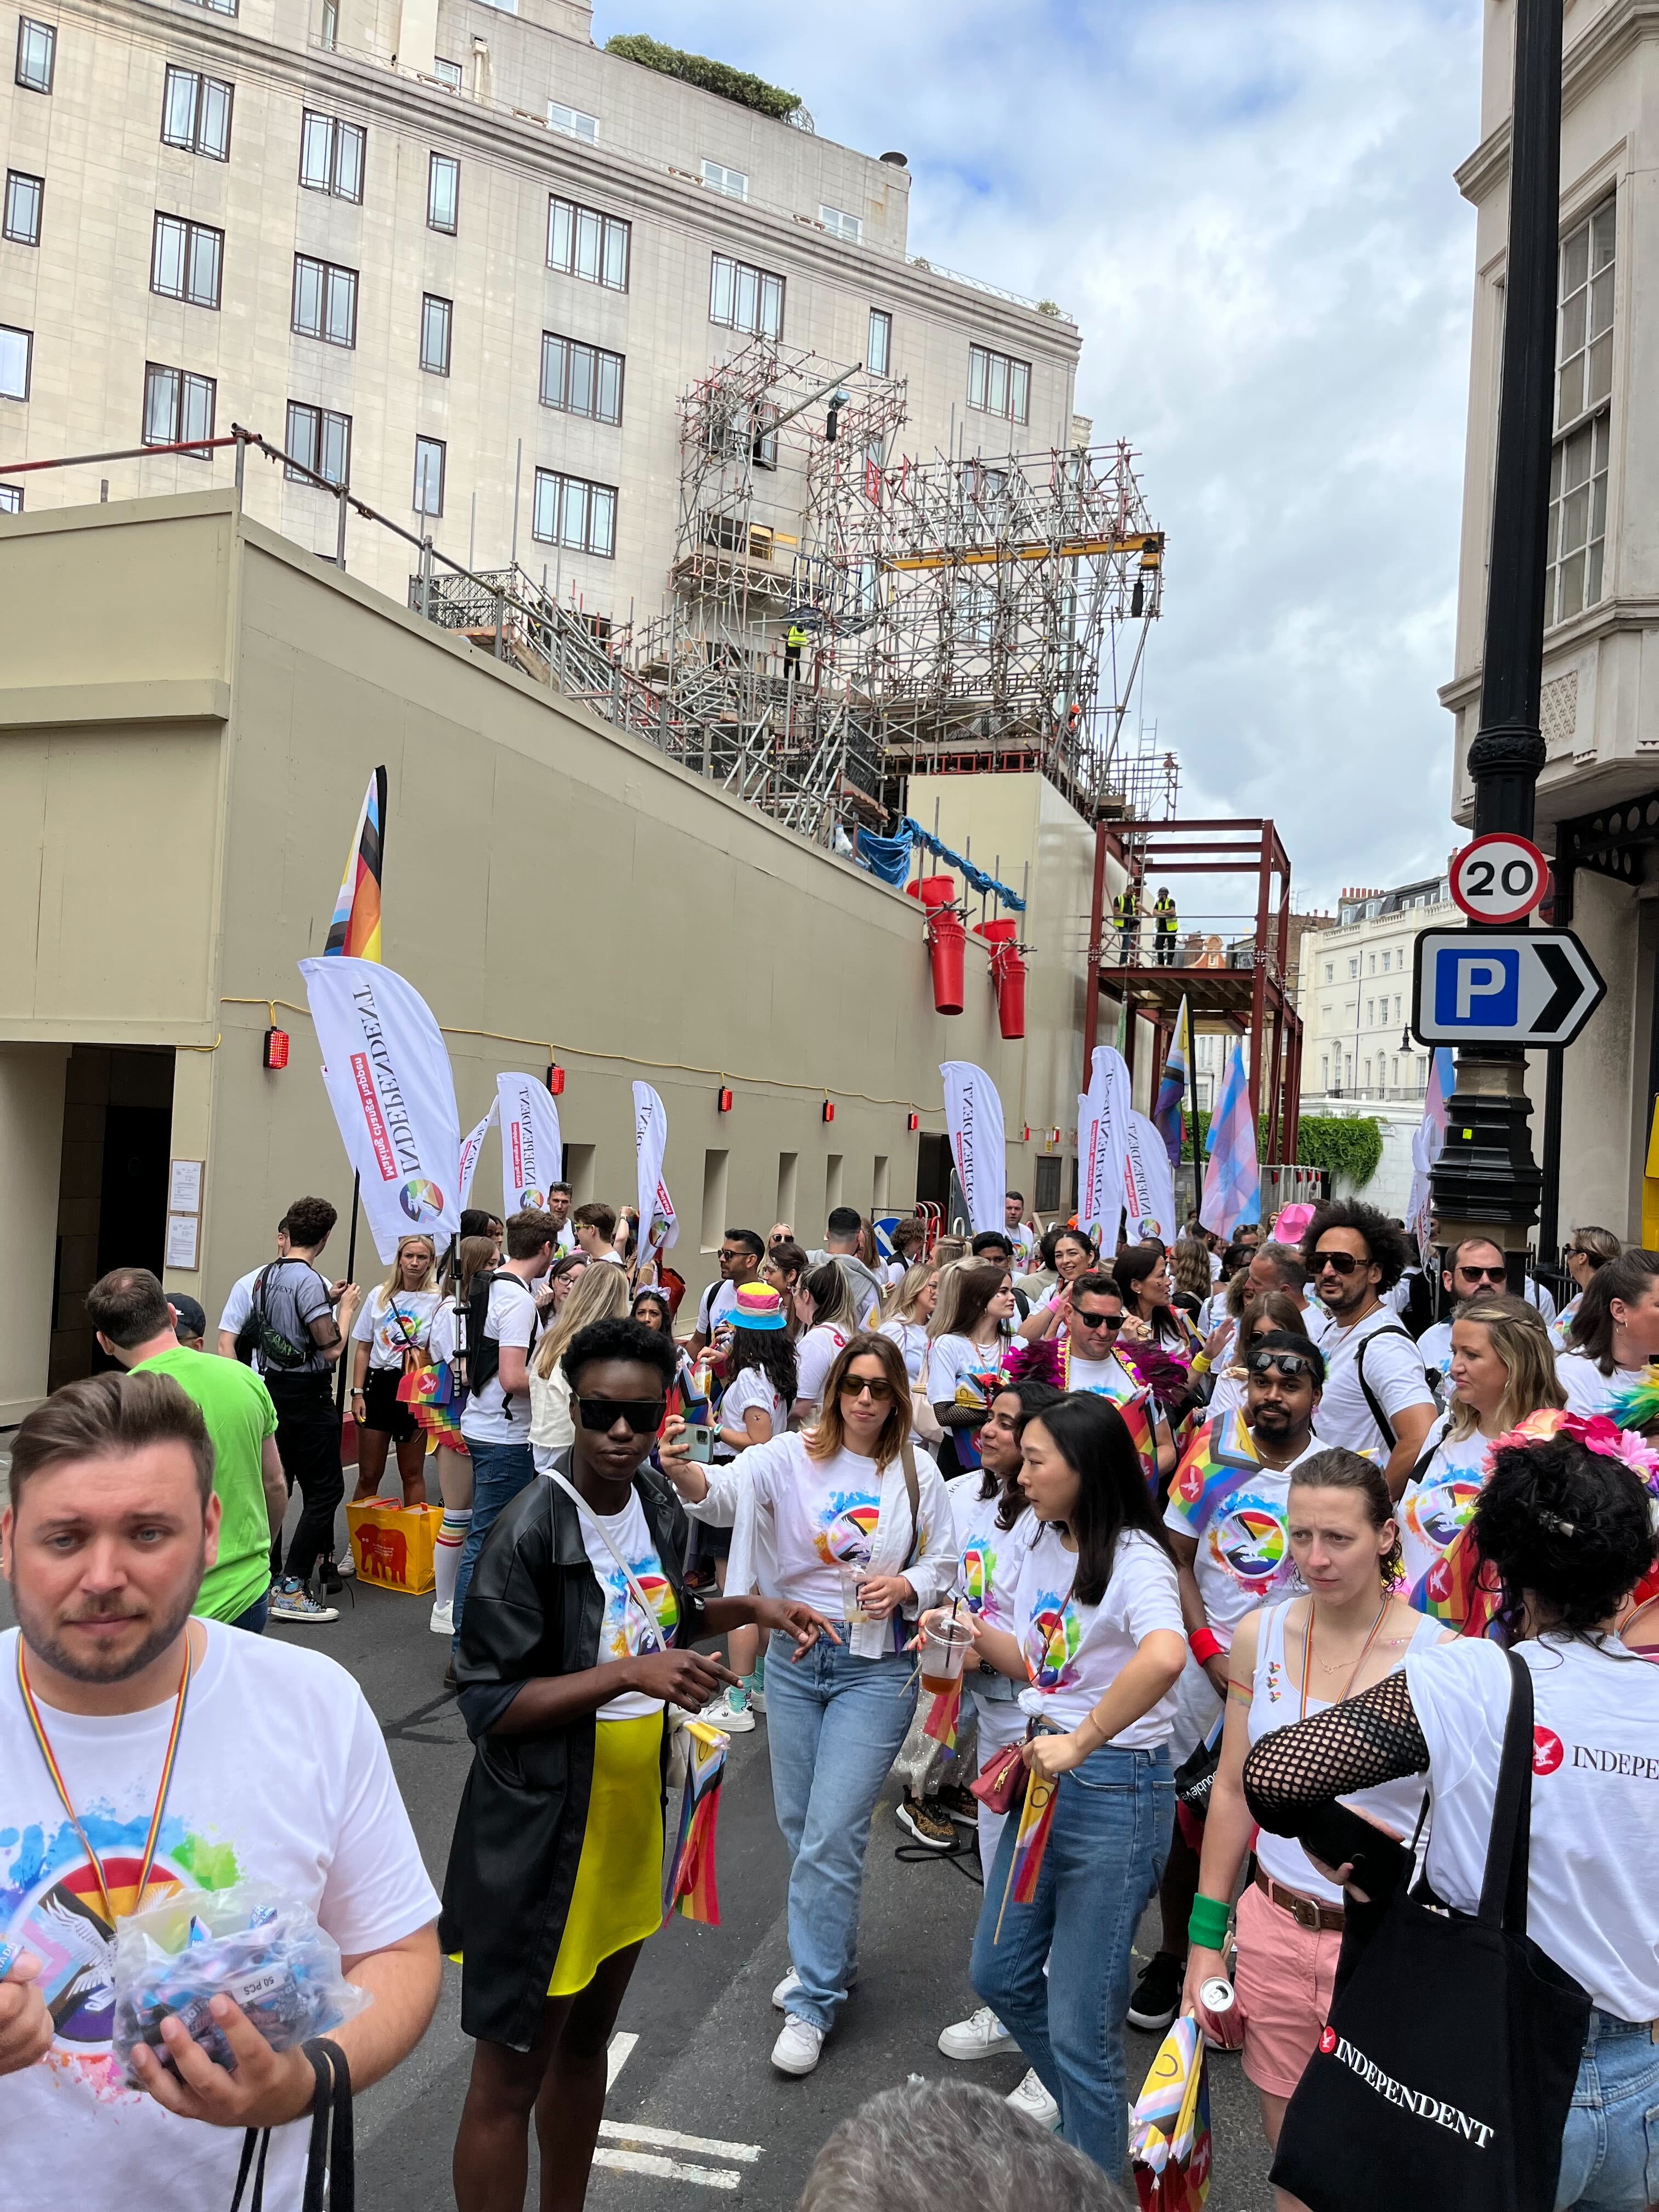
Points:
(1486, 1180)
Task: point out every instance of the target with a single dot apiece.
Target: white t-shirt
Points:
(1075, 1652)
(282, 1777)
(752, 1387)
(624, 1632)
(1589, 1390)
(491, 1418)
(1593, 1900)
(718, 1302)
(989, 1556)
(960, 1373)
(815, 1355)
(825, 1514)
(1393, 1371)
(1435, 1347)
(239, 1305)
(1101, 1378)
(1235, 1508)
(1433, 1508)
(377, 1325)
(911, 1338)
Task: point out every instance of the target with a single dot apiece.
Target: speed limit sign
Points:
(1500, 878)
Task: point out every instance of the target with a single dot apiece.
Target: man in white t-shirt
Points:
(496, 1419)
(1088, 1361)
(1474, 1265)
(1023, 1235)
(239, 1304)
(741, 1252)
(280, 1778)
(1377, 1398)
(558, 1208)
(594, 1227)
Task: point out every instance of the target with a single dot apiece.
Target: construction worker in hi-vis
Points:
(1126, 916)
(794, 638)
(1163, 918)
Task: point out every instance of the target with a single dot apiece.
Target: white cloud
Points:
(1248, 207)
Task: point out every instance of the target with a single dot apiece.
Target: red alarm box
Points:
(275, 1049)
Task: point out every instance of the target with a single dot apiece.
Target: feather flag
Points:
(1037, 1816)
(355, 929)
(1172, 1090)
(1169, 2125)
(1232, 1181)
(690, 1888)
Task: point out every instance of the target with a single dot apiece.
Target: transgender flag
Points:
(1232, 1181)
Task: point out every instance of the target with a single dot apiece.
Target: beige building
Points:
(1355, 996)
(1598, 798)
(178, 781)
(458, 256)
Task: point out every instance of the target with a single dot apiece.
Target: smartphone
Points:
(699, 1443)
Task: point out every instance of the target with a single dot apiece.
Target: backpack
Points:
(483, 1353)
(1431, 1382)
(258, 1341)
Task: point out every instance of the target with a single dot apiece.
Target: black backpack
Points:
(483, 1353)
(257, 1338)
(1431, 1383)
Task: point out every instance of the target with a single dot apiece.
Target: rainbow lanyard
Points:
(56, 1772)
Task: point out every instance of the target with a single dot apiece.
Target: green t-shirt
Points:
(237, 1408)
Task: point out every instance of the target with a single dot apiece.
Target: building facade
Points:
(1355, 996)
(457, 256)
(1598, 797)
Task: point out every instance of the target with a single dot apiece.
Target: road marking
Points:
(617, 2054)
(668, 2139)
(667, 2169)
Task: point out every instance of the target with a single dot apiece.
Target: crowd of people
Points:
(1228, 1533)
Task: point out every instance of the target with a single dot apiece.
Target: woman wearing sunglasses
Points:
(848, 1519)
(574, 1641)
(1588, 1252)
(1502, 1368)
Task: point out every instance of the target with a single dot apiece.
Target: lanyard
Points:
(53, 1769)
(1307, 1654)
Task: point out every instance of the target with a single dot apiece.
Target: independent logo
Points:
(1328, 2041)
(1548, 1751)
(421, 1199)
(1423, 2102)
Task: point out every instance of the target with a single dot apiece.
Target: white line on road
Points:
(667, 2169)
(667, 2139)
(617, 2054)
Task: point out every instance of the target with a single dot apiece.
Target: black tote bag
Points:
(1445, 2073)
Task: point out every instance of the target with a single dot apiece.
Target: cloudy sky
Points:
(1248, 207)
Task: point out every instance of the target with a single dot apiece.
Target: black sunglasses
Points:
(643, 1415)
(1343, 1262)
(1287, 1365)
(1483, 1274)
(1098, 1320)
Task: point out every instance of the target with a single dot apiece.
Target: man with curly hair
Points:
(1377, 1398)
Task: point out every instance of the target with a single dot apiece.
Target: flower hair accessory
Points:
(1594, 1431)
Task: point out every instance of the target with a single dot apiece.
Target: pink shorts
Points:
(1284, 1977)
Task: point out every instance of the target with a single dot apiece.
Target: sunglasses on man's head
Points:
(1287, 1365)
(643, 1415)
(1343, 1262)
(856, 1386)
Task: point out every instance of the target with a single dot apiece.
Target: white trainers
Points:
(982, 2035)
(797, 2049)
(785, 1989)
(730, 1710)
(291, 1601)
(1033, 2100)
(442, 1622)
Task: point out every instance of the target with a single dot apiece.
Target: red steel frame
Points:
(1219, 999)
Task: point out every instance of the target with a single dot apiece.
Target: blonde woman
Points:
(967, 1337)
(1502, 1368)
(393, 1326)
(823, 1307)
(910, 1310)
(601, 1294)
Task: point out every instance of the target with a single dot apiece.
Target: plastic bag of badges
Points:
(262, 1950)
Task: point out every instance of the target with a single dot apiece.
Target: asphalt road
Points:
(690, 2058)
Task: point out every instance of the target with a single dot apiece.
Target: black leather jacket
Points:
(534, 1608)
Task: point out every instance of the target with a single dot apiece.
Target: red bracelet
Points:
(1205, 1645)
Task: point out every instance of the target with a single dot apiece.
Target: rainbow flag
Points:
(1036, 1817)
(1219, 1462)
(1457, 1590)
(432, 1402)
(943, 1715)
(355, 929)
(1169, 2125)
(1172, 1090)
(1137, 1412)
(691, 1888)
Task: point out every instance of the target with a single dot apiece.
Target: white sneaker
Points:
(730, 1710)
(982, 2035)
(1033, 2100)
(785, 1989)
(796, 2050)
(346, 1565)
(291, 1601)
(442, 1622)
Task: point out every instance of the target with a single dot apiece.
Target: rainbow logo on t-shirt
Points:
(979, 1567)
(626, 1634)
(1435, 1515)
(1251, 1541)
(1051, 1637)
(847, 1529)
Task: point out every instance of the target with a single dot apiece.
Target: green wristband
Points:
(1206, 1925)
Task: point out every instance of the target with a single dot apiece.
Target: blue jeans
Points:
(1610, 2152)
(834, 1725)
(254, 1618)
(1106, 1848)
(499, 1471)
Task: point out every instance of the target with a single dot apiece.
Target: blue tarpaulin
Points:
(890, 858)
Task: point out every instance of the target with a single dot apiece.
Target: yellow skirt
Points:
(618, 1900)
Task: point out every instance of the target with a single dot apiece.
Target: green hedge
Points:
(1352, 1149)
(709, 75)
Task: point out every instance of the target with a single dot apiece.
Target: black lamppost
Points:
(1486, 1179)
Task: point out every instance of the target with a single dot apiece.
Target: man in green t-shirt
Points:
(137, 1327)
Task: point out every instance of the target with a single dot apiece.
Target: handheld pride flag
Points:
(1036, 1817)
(1232, 1181)
(1169, 2125)
(1172, 1090)
(691, 1888)
(431, 1399)
(943, 1716)
(354, 930)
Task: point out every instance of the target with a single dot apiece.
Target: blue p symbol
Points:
(1477, 989)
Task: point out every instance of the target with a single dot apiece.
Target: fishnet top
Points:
(1371, 1738)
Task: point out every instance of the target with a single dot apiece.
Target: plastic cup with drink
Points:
(946, 1640)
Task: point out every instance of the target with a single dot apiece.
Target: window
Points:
(330, 31)
(744, 299)
(1370, 1013)
(325, 301)
(571, 512)
(583, 243)
(998, 385)
(319, 441)
(187, 260)
(878, 351)
(1047, 1184)
(720, 178)
(1583, 403)
(16, 349)
(582, 380)
(331, 156)
(1353, 969)
(219, 7)
(839, 224)
(1330, 972)
(436, 318)
(1373, 966)
(177, 406)
(428, 475)
(443, 193)
(11, 499)
(448, 73)
(1324, 1071)
(1385, 963)
(196, 114)
(37, 55)
(22, 218)
(572, 122)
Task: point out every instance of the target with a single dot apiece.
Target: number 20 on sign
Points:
(1500, 878)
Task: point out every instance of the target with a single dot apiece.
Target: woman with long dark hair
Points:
(1614, 1333)
(966, 1341)
(1098, 1639)
(1142, 1274)
(1069, 1253)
